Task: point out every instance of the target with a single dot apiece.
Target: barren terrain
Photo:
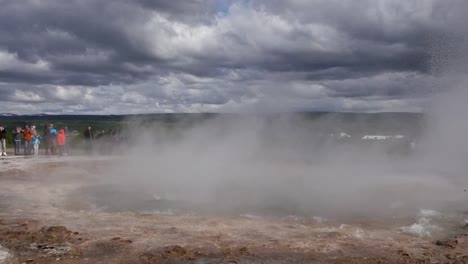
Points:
(53, 210)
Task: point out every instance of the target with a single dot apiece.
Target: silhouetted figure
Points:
(46, 139)
(53, 139)
(67, 141)
(89, 137)
(2, 141)
(17, 136)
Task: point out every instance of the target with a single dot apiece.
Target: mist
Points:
(282, 164)
(288, 164)
(276, 165)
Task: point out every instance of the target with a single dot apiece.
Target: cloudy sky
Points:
(152, 56)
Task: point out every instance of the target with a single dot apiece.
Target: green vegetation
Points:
(75, 124)
(356, 124)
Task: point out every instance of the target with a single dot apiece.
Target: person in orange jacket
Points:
(27, 134)
(61, 141)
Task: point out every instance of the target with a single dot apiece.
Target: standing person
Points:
(88, 136)
(61, 141)
(3, 141)
(67, 138)
(33, 131)
(52, 139)
(27, 140)
(17, 137)
(36, 141)
(46, 139)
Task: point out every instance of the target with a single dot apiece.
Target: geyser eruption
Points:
(277, 165)
(290, 164)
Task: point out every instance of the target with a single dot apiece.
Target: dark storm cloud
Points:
(160, 56)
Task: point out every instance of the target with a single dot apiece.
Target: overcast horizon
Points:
(136, 57)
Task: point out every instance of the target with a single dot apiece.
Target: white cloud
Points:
(27, 96)
(68, 93)
(10, 62)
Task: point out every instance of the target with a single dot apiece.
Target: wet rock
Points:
(55, 229)
(403, 253)
(451, 243)
(174, 250)
(235, 254)
(4, 255)
(171, 254)
(33, 246)
(58, 250)
(27, 240)
(121, 240)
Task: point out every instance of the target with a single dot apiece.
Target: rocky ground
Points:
(43, 219)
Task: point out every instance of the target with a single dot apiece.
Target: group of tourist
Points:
(28, 141)
(30, 138)
(55, 141)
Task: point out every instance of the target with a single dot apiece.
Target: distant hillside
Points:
(320, 122)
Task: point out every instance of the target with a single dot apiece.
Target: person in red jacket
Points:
(61, 141)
